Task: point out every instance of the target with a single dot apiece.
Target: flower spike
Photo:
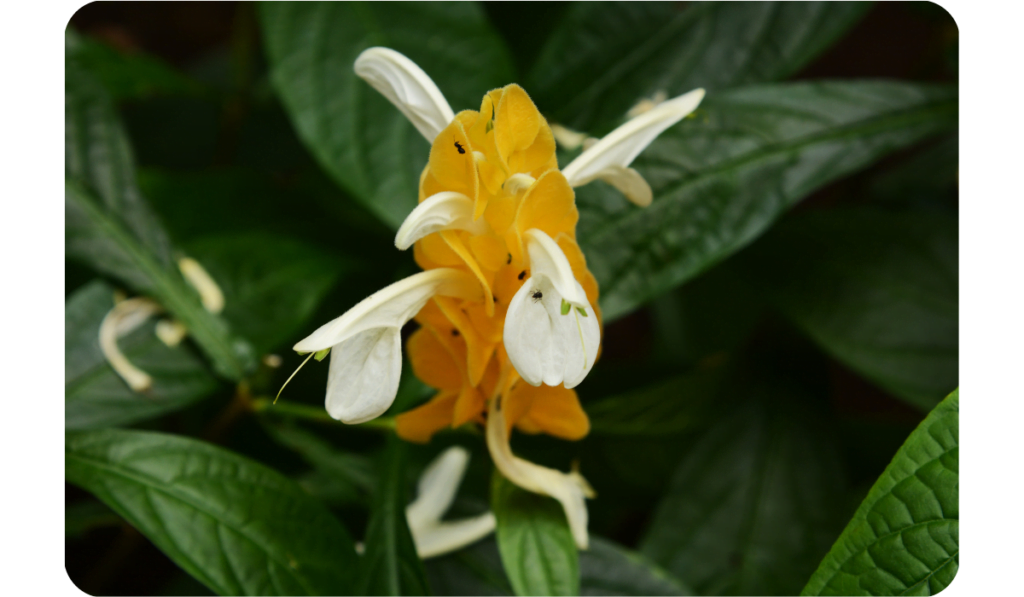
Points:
(365, 342)
(407, 87)
(609, 158)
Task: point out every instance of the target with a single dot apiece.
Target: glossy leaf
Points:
(271, 284)
(605, 56)
(722, 178)
(536, 545)
(94, 395)
(390, 565)
(233, 524)
(473, 570)
(876, 289)
(753, 503)
(904, 538)
(108, 225)
(357, 135)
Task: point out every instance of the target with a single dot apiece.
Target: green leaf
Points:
(108, 225)
(753, 504)
(357, 135)
(605, 56)
(878, 290)
(536, 545)
(272, 284)
(82, 517)
(94, 395)
(722, 178)
(904, 538)
(390, 565)
(610, 569)
(346, 477)
(128, 75)
(668, 407)
(605, 569)
(235, 525)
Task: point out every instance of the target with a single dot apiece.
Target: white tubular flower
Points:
(365, 342)
(435, 492)
(209, 292)
(551, 332)
(570, 489)
(125, 317)
(444, 211)
(407, 87)
(609, 158)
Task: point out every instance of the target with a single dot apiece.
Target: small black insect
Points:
(494, 298)
(537, 295)
(455, 332)
(509, 258)
(460, 147)
(522, 274)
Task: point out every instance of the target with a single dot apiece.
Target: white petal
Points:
(622, 145)
(547, 260)
(363, 378)
(438, 485)
(545, 345)
(392, 306)
(445, 537)
(629, 182)
(125, 317)
(366, 355)
(443, 211)
(407, 87)
(569, 489)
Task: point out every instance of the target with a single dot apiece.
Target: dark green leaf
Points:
(606, 568)
(236, 525)
(927, 179)
(607, 55)
(904, 538)
(271, 284)
(878, 290)
(94, 395)
(536, 545)
(722, 178)
(128, 75)
(752, 506)
(610, 569)
(668, 407)
(346, 477)
(390, 565)
(109, 226)
(82, 517)
(360, 138)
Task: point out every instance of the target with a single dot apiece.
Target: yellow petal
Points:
(489, 251)
(478, 350)
(421, 423)
(555, 411)
(550, 206)
(537, 155)
(454, 240)
(468, 407)
(517, 121)
(432, 362)
(451, 161)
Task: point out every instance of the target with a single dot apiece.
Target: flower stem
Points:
(314, 413)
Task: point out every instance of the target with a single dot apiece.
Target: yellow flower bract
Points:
(458, 349)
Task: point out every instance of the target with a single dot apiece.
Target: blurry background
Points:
(217, 154)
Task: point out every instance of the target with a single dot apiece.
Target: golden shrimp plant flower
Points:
(508, 315)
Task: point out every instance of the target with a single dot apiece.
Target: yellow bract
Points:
(458, 349)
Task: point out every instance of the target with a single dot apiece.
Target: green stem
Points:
(313, 413)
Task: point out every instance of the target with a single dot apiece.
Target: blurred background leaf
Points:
(876, 289)
(94, 395)
(236, 525)
(904, 539)
(605, 56)
(390, 565)
(366, 144)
